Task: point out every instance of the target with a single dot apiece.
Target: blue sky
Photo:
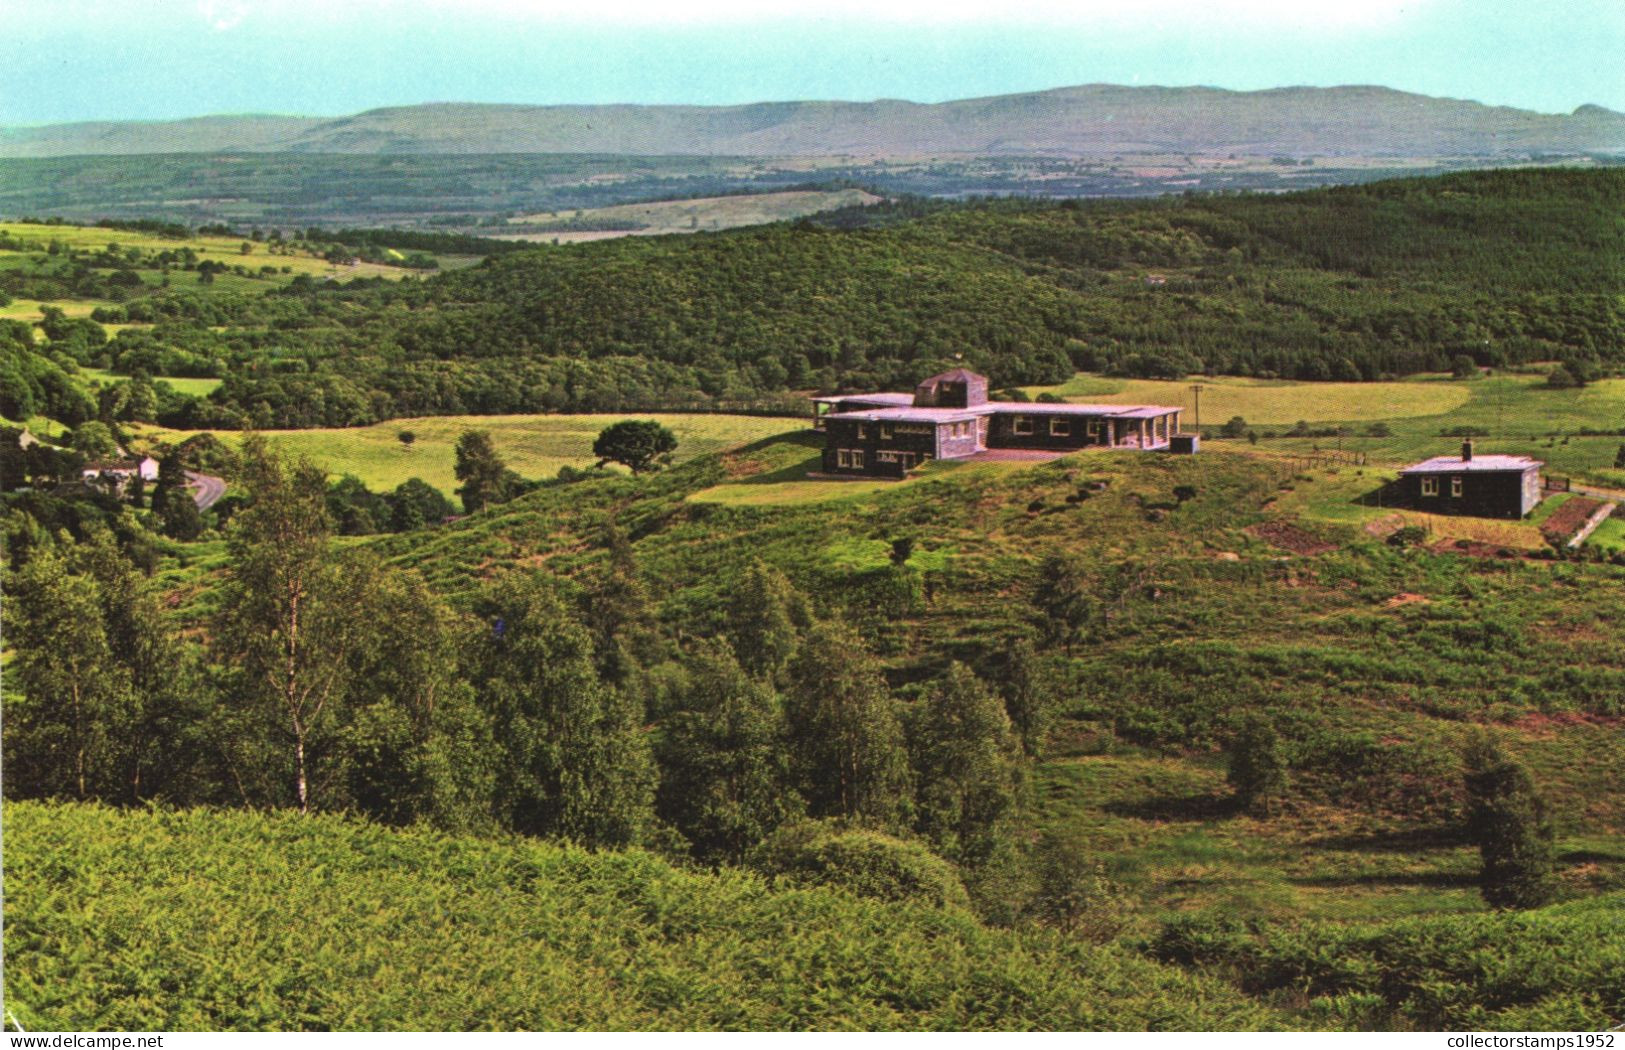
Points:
(99, 59)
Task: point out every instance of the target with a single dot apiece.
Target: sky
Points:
(72, 60)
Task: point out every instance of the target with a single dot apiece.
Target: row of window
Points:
(888, 429)
(1058, 426)
(1430, 485)
(852, 458)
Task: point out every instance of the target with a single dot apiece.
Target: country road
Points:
(206, 488)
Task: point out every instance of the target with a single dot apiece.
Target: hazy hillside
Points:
(1097, 119)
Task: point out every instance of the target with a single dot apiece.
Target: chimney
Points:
(1467, 451)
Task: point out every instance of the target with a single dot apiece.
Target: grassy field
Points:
(227, 250)
(1517, 414)
(534, 446)
(182, 384)
(1271, 402)
(690, 216)
(29, 309)
(1610, 535)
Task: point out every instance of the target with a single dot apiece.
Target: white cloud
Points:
(223, 14)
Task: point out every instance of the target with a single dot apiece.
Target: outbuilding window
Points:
(1060, 428)
(843, 458)
(1021, 425)
(1430, 486)
(1455, 486)
(857, 459)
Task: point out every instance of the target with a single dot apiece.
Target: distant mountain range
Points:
(1092, 120)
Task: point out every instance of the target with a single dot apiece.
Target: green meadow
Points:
(1270, 402)
(535, 446)
(1509, 413)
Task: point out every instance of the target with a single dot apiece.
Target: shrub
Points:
(1258, 765)
(1507, 818)
(868, 863)
(1202, 939)
(1074, 893)
(1408, 536)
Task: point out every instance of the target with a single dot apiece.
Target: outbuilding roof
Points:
(1476, 465)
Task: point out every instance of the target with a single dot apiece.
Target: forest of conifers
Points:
(1350, 283)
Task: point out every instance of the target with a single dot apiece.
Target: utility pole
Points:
(1196, 389)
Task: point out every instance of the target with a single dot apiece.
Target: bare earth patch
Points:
(1384, 526)
(1290, 537)
(1567, 519)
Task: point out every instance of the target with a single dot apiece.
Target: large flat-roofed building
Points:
(950, 417)
(1480, 486)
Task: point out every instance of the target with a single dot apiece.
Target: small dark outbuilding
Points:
(1479, 486)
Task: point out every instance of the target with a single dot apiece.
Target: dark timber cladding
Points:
(949, 417)
(1479, 486)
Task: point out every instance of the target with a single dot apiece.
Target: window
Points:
(1059, 427)
(1094, 428)
(1455, 486)
(863, 431)
(886, 457)
(1021, 425)
(961, 429)
(857, 459)
(843, 458)
(885, 432)
(1430, 486)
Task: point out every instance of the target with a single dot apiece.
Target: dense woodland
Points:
(1352, 283)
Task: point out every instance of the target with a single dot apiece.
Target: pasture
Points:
(1268, 401)
(1396, 423)
(535, 446)
(284, 263)
(196, 387)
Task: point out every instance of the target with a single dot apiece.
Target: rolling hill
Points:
(1095, 119)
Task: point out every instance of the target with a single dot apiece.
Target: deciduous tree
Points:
(638, 444)
(765, 619)
(286, 626)
(576, 762)
(485, 477)
(1507, 818)
(967, 767)
(1258, 766)
(846, 742)
(725, 777)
